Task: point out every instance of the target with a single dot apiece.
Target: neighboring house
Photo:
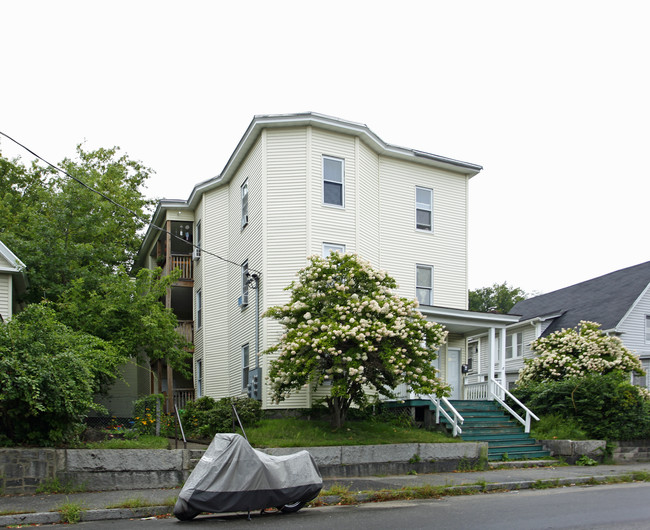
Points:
(618, 301)
(13, 282)
(304, 184)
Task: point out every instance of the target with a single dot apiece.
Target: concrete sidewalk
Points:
(44, 508)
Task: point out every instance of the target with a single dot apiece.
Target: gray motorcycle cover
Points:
(232, 476)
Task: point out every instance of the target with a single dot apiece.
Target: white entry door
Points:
(453, 371)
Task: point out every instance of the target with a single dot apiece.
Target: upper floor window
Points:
(244, 203)
(423, 209)
(197, 240)
(243, 301)
(333, 181)
(514, 345)
(199, 309)
(328, 248)
(647, 329)
(424, 284)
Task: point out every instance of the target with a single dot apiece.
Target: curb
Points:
(329, 500)
(85, 516)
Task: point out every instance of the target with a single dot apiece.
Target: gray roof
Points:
(605, 300)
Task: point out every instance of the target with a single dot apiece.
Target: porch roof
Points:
(466, 322)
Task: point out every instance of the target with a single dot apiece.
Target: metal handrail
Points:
(456, 429)
(180, 424)
(529, 413)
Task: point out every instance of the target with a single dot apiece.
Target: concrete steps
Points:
(486, 421)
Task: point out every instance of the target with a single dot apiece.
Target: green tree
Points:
(345, 326)
(128, 313)
(48, 377)
(63, 231)
(499, 297)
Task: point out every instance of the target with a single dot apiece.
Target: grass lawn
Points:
(290, 432)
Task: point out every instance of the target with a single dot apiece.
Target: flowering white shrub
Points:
(577, 353)
(345, 325)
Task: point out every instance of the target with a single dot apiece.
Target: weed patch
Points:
(70, 512)
(56, 486)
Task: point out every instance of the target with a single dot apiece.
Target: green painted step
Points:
(487, 421)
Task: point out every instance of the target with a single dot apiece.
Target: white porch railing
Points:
(457, 419)
(476, 391)
(498, 393)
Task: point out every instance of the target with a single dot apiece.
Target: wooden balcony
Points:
(186, 329)
(184, 263)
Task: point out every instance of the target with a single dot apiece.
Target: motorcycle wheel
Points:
(291, 507)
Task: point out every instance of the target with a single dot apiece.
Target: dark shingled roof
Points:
(605, 300)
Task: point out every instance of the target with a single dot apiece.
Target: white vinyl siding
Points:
(5, 296)
(423, 209)
(402, 246)
(333, 181)
(424, 284)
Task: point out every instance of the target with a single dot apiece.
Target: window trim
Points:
(244, 204)
(245, 365)
(429, 209)
(418, 287)
(333, 247)
(342, 183)
(199, 309)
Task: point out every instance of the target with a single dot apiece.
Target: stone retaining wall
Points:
(572, 450)
(23, 470)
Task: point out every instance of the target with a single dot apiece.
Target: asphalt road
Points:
(621, 506)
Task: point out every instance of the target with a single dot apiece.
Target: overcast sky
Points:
(551, 98)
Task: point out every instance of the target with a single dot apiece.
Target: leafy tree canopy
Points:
(48, 376)
(499, 297)
(345, 327)
(577, 352)
(61, 230)
(127, 312)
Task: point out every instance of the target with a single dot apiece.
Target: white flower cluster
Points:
(576, 353)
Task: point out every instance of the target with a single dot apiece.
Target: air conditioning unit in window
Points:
(242, 301)
(196, 254)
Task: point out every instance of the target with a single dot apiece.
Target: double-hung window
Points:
(197, 240)
(199, 378)
(329, 248)
(199, 309)
(243, 301)
(423, 209)
(245, 363)
(647, 329)
(244, 203)
(514, 346)
(333, 181)
(424, 284)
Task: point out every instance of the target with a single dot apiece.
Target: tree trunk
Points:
(338, 408)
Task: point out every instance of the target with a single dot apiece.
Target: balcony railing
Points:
(184, 263)
(186, 329)
(182, 396)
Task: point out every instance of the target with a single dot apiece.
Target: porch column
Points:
(502, 359)
(491, 359)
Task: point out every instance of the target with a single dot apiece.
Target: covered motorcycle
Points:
(232, 477)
